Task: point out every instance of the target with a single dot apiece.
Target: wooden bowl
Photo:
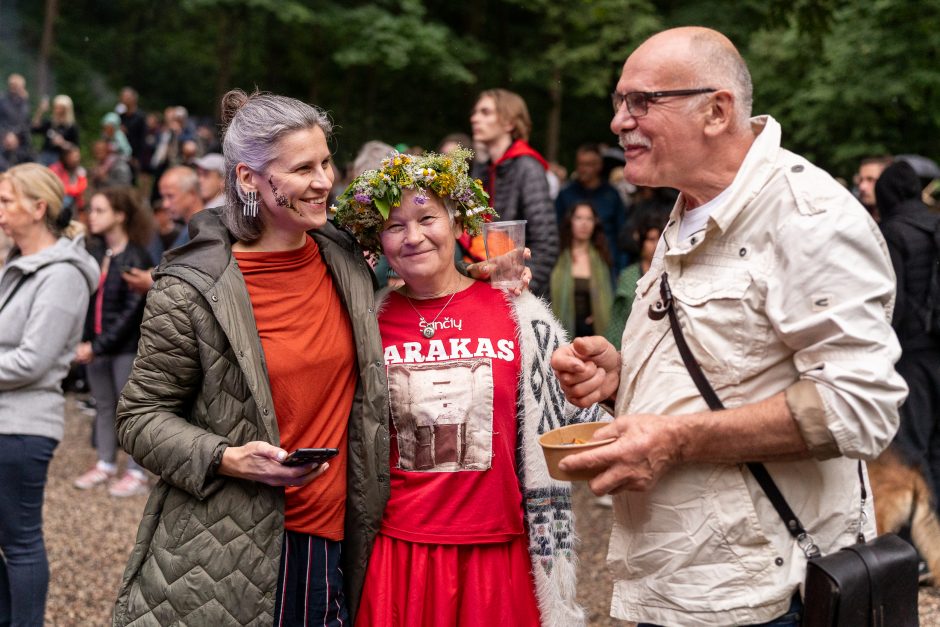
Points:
(556, 445)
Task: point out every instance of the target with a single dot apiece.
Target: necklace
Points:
(427, 330)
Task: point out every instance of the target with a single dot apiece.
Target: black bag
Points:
(871, 584)
(865, 584)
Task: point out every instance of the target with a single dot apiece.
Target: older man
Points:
(179, 191)
(14, 110)
(210, 169)
(784, 290)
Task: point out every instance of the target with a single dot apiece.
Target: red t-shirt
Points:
(311, 359)
(453, 419)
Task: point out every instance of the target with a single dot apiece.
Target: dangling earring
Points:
(250, 208)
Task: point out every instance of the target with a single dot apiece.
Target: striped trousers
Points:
(310, 583)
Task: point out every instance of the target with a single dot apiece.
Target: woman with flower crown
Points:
(475, 532)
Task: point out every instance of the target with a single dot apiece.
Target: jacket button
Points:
(796, 168)
(379, 364)
(215, 298)
(742, 252)
(265, 410)
(241, 353)
(693, 240)
(779, 561)
(369, 310)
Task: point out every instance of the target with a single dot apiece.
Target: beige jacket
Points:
(789, 288)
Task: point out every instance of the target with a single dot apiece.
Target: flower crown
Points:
(366, 203)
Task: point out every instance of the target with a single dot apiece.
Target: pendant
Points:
(428, 332)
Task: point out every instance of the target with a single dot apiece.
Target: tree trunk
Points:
(45, 47)
(226, 37)
(553, 134)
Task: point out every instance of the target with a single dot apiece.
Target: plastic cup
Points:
(505, 246)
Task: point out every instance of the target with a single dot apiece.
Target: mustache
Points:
(633, 138)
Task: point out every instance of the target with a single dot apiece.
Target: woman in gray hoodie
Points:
(44, 291)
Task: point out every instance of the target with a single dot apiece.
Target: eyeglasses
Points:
(638, 102)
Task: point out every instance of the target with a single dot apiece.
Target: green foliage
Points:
(400, 38)
(846, 79)
(583, 42)
(870, 89)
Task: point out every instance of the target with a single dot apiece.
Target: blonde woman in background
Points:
(59, 130)
(44, 291)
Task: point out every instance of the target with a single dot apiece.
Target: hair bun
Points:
(64, 218)
(232, 101)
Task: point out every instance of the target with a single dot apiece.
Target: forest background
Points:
(846, 79)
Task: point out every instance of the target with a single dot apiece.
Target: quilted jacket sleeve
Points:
(166, 377)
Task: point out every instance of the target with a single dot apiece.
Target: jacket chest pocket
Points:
(723, 322)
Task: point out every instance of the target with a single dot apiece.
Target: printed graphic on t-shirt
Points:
(443, 414)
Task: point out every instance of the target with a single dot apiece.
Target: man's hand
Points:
(588, 370)
(260, 461)
(138, 280)
(646, 447)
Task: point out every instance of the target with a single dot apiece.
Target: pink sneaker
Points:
(95, 476)
(131, 484)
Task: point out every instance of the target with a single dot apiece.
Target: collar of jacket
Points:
(757, 168)
(206, 262)
(519, 148)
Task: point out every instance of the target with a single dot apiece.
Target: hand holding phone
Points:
(309, 455)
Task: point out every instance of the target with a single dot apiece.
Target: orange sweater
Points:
(311, 361)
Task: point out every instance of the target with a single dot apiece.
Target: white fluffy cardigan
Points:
(541, 406)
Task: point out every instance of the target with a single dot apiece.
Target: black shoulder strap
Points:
(666, 305)
(12, 293)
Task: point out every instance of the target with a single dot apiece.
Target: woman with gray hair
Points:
(259, 342)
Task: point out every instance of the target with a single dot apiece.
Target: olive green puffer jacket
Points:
(209, 547)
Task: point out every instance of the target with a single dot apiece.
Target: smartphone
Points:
(309, 455)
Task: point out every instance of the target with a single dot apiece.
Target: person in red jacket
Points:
(514, 177)
(73, 176)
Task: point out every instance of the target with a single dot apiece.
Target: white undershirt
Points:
(694, 220)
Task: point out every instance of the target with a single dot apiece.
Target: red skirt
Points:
(410, 584)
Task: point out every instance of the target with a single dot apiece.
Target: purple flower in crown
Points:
(363, 198)
(421, 198)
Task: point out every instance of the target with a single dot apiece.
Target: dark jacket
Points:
(209, 547)
(122, 309)
(46, 128)
(520, 192)
(908, 225)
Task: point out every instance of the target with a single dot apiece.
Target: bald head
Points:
(179, 189)
(701, 57)
(694, 133)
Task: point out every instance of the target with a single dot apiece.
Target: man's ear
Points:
(719, 115)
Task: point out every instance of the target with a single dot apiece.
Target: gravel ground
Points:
(90, 534)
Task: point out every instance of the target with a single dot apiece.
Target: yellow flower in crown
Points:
(366, 203)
